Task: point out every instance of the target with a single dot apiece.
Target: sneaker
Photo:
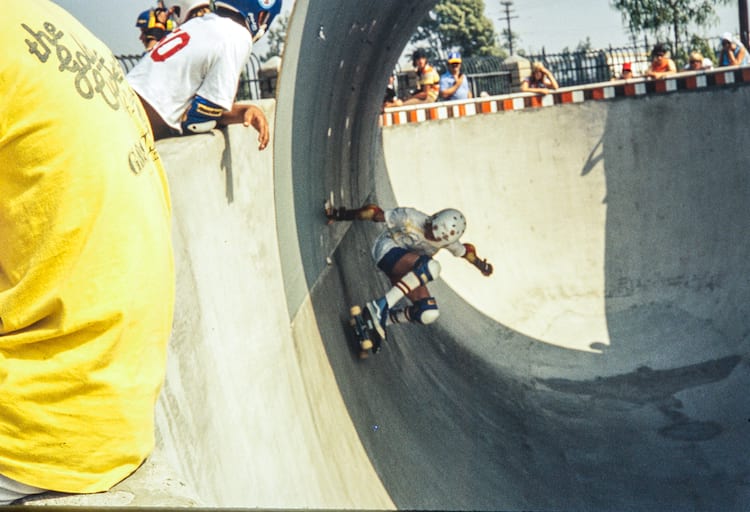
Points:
(378, 310)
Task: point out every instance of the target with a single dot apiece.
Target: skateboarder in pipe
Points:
(403, 251)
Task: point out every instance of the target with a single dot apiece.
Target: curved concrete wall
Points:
(613, 378)
(250, 413)
(603, 366)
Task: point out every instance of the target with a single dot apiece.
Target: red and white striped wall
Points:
(720, 77)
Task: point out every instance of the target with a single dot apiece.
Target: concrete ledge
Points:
(154, 484)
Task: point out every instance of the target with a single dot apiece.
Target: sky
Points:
(565, 23)
(539, 23)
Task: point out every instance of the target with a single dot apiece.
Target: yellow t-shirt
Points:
(429, 81)
(86, 269)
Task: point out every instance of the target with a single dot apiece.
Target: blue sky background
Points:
(539, 23)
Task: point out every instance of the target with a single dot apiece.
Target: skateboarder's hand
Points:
(337, 214)
(367, 212)
(482, 264)
(371, 212)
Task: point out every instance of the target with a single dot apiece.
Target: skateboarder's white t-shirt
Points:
(204, 57)
(405, 228)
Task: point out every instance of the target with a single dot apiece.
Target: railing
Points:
(591, 66)
(607, 90)
(492, 76)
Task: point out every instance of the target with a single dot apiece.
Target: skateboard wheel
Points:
(355, 310)
(366, 344)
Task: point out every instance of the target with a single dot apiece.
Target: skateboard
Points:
(367, 337)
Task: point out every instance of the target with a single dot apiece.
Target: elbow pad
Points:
(201, 116)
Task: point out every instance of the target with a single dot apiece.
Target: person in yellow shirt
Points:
(428, 80)
(86, 268)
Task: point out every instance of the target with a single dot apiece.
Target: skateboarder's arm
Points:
(368, 212)
(482, 264)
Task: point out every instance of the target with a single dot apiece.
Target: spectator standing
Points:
(428, 80)
(188, 82)
(541, 80)
(86, 272)
(454, 85)
(661, 64)
(733, 53)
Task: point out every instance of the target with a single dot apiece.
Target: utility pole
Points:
(743, 22)
(508, 4)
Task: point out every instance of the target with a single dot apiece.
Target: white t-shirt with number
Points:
(203, 57)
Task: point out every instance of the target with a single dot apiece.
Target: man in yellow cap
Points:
(453, 83)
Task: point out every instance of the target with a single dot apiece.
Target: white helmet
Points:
(448, 225)
(181, 8)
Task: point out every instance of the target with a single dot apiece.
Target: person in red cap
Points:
(627, 71)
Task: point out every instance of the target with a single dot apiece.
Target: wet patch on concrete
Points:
(646, 386)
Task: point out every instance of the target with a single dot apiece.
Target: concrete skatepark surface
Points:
(602, 367)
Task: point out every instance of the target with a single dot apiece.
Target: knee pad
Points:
(425, 311)
(426, 269)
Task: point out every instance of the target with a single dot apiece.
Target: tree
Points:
(663, 16)
(276, 37)
(585, 46)
(459, 25)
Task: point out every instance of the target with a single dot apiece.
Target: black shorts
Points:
(390, 259)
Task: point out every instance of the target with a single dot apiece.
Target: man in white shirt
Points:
(188, 82)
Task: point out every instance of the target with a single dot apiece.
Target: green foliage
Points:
(696, 43)
(667, 19)
(276, 37)
(585, 46)
(459, 25)
(700, 44)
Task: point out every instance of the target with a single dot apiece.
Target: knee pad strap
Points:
(425, 311)
(426, 269)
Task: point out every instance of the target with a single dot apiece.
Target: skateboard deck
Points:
(367, 337)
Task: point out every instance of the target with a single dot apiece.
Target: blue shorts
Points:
(390, 259)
